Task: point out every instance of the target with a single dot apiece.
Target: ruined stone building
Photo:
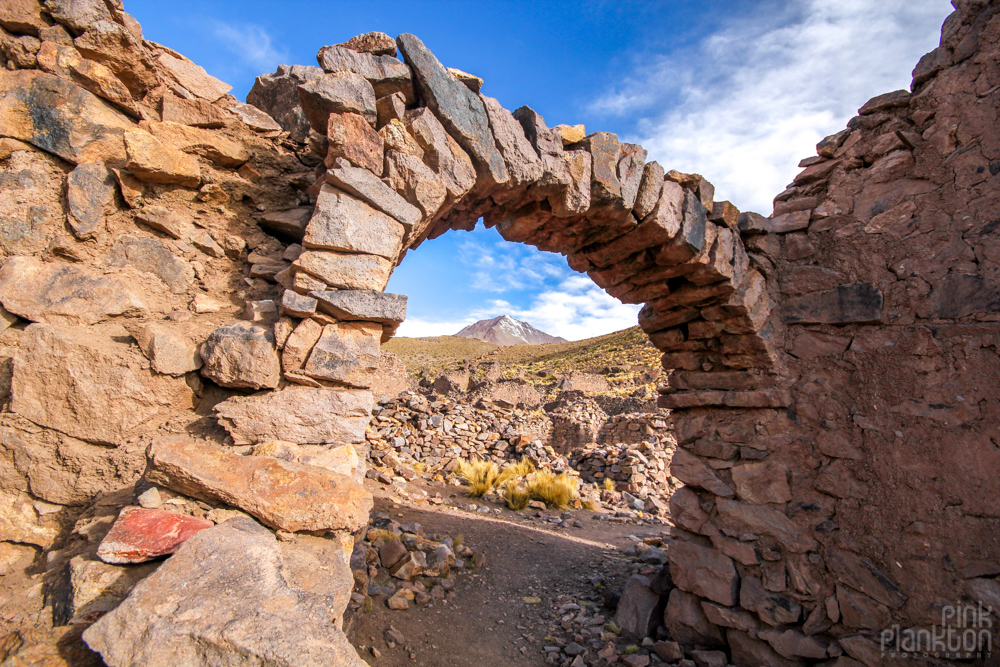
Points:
(185, 276)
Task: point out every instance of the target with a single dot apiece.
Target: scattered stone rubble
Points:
(398, 564)
(179, 263)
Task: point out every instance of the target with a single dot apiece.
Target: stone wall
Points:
(866, 498)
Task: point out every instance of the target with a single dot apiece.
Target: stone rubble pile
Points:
(436, 429)
(399, 564)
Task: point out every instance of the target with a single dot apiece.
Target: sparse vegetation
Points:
(480, 475)
(621, 357)
(520, 482)
(553, 490)
(515, 496)
(608, 484)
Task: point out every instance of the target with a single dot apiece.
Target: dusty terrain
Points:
(485, 620)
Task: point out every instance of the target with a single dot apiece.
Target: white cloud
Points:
(575, 309)
(417, 328)
(250, 43)
(502, 266)
(757, 95)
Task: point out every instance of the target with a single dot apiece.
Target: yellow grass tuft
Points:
(481, 476)
(609, 484)
(514, 471)
(589, 505)
(515, 496)
(553, 490)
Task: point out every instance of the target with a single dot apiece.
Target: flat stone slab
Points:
(56, 293)
(232, 595)
(460, 110)
(141, 534)
(303, 415)
(364, 305)
(283, 495)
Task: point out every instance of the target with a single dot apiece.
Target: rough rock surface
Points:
(63, 294)
(141, 534)
(245, 603)
(302, 415)
(241, 355)
(269, 489)
(64, 376)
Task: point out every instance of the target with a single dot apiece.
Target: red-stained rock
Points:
(141, 534)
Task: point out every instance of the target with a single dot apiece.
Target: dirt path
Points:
(485, 620)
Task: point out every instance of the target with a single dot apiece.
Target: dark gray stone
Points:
(364, 305)
(459, 109)
(339, 92)
(277, 94)
(857, 302)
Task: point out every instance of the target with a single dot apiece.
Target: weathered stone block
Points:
(704, 572)
(855, 303)
(302, 415)
(341, 222)
(266, 488)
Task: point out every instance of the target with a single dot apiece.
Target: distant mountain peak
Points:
(505, 330)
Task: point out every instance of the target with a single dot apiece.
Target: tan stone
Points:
(168, 347)
(151, 161)
(79, 127)
(299, 344)
(346, 271)
(209, 144)
(233, 594)
(66, 61)
(241, 355)
(342, 222)
(91, 386)
(303, 415)
(347, 352)
(97, 588)
(22, 16)
(194, 78)
(266, 488)
(571, 134)
(21, 522)
(341, 459)
(415, 181)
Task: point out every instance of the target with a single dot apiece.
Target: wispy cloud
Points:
(250, 43)
(757, 95)
(575, 309)
(501, 266)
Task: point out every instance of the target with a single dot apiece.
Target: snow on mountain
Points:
(505, 330)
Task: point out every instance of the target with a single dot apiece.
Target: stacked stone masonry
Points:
(831, 367)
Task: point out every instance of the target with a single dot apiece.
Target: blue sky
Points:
(738, 90)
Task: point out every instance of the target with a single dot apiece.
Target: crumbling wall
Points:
(831, 365)
(866, 500)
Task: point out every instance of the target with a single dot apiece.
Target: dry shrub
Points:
(514, 471)
(553, 490)
(515, 496)
(609, 484)
(481, 476)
